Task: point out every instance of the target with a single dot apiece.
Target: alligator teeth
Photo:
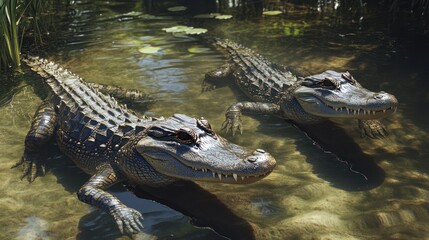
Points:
(235, 176)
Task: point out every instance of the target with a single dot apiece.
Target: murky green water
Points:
(310, 195)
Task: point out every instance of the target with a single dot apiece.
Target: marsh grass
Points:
(21, 19)
(9, 41)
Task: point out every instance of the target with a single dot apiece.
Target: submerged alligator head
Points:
(338, 95)
(182, 147)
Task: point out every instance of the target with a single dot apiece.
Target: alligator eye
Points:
(348, 77)
(156, 132)
(205, 125)
(307, 82)
(328, 83)
(186, 136)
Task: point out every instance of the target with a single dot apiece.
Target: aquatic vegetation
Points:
(198, 50)
(223, 17)
(185, 29)
(20, 19)
(272, 13)
(9, 41)
(150, 50)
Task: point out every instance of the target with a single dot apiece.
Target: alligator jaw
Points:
(239, 171)
(364, 113)
(316, 106)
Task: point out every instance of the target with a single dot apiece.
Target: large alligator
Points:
(114, 145)
(276, 89)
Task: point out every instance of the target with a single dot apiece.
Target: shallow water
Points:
(381, 192)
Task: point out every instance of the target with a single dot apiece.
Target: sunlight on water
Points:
(310, 194)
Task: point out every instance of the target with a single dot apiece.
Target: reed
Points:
(19, 18)
(9, 41)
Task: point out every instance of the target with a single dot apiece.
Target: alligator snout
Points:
(388, 100)
(383, 95)
(261, 157)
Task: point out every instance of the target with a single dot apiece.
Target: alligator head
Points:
(338, 95)
(182, 147)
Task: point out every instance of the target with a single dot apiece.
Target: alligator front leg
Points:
(215, 78)
(372, 129)
(41, 131)
(233, 120)
(92, 192)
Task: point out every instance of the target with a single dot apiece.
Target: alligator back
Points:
(91, 126)
(258, 78)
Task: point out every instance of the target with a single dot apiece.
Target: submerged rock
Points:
(35, 229)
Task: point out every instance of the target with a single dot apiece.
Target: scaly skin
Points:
(130, 96)
(276, 89)
(113, 145)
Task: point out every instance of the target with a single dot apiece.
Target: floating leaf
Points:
(198, 50)
(149, 50)
(185, 29)
(178, 28)
(222, 17)
(177, 9)
(196, 31)
(272, 13)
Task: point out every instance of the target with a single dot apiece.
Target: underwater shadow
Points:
(354, 170)
(185, 197)
(205, 209)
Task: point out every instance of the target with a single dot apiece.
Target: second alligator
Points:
(275, 89)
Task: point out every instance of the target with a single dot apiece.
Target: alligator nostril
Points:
(378, 96)
(259, 151)
(252, 159)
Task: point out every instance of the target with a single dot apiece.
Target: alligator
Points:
(114, 145)
(280, 90)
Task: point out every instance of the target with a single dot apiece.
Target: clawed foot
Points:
(372, 129)
(127, 219)
(232, 122)
(207, 86)
(32, 167)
